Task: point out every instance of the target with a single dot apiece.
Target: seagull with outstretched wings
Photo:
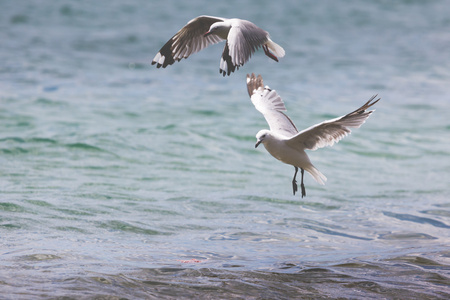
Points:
(242, 38)
(284, 142)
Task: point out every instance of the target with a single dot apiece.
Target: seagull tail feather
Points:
(316, 174)
(277, 49)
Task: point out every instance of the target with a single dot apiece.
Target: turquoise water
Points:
(118, 179)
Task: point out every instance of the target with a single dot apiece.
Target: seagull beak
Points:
(257, 144)
(207, 33)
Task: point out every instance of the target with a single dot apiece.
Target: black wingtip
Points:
(369, 103)
(365, 106)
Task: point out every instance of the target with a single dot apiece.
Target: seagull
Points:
(242, 38)
(284, 142)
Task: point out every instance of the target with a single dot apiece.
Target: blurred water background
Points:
(120, 180)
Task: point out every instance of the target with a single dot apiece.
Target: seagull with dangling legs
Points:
(284, 142)
(242, 38)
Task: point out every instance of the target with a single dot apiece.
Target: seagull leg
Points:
(267, 52)
(302, 185)
(294, 182)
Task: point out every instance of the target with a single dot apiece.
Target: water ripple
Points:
(354, 280)
(416, 219)
(126, 227)
(333, 232)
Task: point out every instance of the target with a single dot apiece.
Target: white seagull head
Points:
(221, 29)
(262, 136)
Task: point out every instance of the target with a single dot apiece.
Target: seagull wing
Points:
(270, 104)
(332, 131)
(187, 41)
(243, 40)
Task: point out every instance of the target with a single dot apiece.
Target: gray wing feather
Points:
(187, 40)
(270, 104)
(244, 39)
(332, 131)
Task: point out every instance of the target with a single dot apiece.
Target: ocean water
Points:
(122, 181)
